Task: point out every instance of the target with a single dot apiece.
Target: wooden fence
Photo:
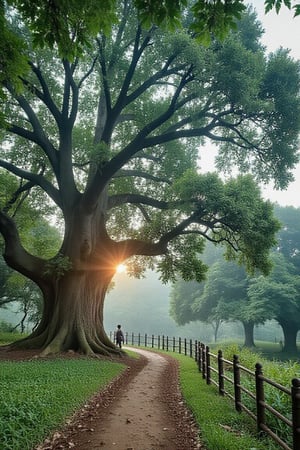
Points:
(233, 380)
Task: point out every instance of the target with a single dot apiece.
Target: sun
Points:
(121, 268)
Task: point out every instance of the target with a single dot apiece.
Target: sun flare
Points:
(121, 268)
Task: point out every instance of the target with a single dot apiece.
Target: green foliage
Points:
(68, 24)
(277, 4)
(217, 17)
(13, 59)
(161, 12)
(38, 396)
(5, 327)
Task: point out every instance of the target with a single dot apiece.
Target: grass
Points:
(38, 396)
(269, 350)
(222, 428)
(8, 338)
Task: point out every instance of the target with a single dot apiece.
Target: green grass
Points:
(38, 396)
(222, 428)
(7, 337)
(269, 350)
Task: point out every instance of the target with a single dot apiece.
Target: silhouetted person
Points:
(119, 336)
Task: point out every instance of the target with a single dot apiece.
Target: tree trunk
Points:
(249, 334)
(290, 331)
(74, 320)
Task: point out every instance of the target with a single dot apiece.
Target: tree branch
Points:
(45, 96)
(35, 179)
(37, 136)
(14, 253)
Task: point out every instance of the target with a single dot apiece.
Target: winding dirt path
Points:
(142, 410)
(141, 417)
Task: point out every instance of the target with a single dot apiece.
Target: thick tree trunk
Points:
(290, 331)
(249, 334)
(75, 319)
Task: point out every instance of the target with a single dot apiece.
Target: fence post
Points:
(185, 349)
(158, 341)
(237, 383)
(132, 339)
(179, 345)
(196, 350)
(203, 361)
(139, 339)
(207, 357)
(260, 397)
(167, 343)
(126, 337)
(174, 344)
(163, 341)
(295, 391)
(191, 348)
(146, 339)
(221, 372)
(152, 340)
(199, 356)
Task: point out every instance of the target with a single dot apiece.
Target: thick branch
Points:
(46, 96)
(14, 253)
(70, 83)
(35, 179)
(37, 136)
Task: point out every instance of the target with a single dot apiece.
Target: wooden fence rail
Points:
(233, 380)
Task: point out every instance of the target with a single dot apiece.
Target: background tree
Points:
(281, 292)
(184, 294)
(112, 140)
(225, 297)
(230, 294)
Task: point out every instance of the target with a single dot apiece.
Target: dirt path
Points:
(144, 411)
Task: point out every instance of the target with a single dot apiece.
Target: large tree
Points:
(112, 139)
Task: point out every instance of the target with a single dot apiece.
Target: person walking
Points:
(119, 336)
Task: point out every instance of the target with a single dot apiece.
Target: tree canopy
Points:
(112, 139)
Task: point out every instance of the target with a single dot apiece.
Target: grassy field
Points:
(38, 396)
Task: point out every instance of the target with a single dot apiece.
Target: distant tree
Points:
(230, 294)
(184, 294)
(281, 291)
(225, 298)
(112, 139)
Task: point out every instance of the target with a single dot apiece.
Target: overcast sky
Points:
(281, 30)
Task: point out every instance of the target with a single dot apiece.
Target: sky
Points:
(282, 30)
